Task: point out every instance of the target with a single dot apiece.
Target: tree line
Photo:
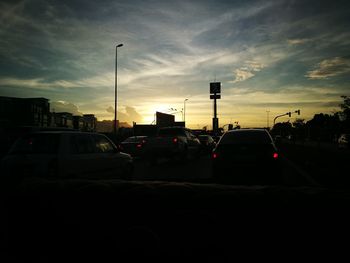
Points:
(322, 127)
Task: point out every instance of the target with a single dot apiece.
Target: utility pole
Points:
(268, 125)
(116, 89)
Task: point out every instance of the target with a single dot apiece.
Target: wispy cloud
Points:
(330, 68)
(298, 41)
(98, 81)
(248, 71)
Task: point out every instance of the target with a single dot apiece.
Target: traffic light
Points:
(289, 114)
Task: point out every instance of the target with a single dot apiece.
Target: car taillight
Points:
(275, 155)
(139, 145)
(214, 155)
(175, 140)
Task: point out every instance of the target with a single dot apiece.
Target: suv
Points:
(64, 154)
(173, 142)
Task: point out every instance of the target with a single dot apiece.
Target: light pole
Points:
(115, 88)
(184, 115)
(268, 119)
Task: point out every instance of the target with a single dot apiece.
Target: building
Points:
(24, 112)
(90, 122)
(78, 123)
(62, 120)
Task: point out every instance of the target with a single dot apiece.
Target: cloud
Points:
(64, 106)
(133, 114)
(242, 75)
(110, 109)
(248, 71)
(130, 114)
(298, 41)
(330, 68)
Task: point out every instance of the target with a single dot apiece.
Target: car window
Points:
(171, 132)
(246, 137)
(103, 145)
(130, 139)
(37, 144)
(82, 144)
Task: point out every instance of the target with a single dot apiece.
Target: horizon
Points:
(271, 57)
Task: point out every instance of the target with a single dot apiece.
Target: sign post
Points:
(215, 90)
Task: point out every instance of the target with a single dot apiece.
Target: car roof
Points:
(247, 130)
(64, 132)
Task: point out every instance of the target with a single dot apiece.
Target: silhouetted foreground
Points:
(50, 220)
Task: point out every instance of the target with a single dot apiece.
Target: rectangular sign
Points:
(215, 87)
(216, 96)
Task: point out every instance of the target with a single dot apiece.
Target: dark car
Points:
(246, 157)
(207, 143)
(134, 145)
(66, 154)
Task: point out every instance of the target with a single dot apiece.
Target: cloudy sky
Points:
(275, 56)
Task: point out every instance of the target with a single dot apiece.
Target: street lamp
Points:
(184, 115)
(268, 125)
(115, 88)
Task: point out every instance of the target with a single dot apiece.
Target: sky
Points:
(271, 57)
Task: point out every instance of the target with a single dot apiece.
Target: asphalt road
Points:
(200, 170)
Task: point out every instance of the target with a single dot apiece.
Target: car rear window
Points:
(246, 137)
(37, 144)
(171, 132)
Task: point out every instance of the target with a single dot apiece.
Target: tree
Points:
(345, 114)
(282, 128)
(299, 129)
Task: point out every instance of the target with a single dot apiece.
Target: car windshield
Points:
(37, 144)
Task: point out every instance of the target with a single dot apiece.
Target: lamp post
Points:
(184, 115)
(268, 125)
(115, 88)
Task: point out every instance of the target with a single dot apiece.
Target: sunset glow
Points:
(275, 56)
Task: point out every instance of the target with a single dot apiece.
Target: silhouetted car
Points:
(135, 145)
(173, 142)
(62, 154)
(246, 157)
(343, 141)
(207, 143)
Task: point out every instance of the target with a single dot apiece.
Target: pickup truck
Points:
(172, 142)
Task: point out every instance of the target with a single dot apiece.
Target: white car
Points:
(64, 154)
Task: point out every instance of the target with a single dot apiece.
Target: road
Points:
(199, 170)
